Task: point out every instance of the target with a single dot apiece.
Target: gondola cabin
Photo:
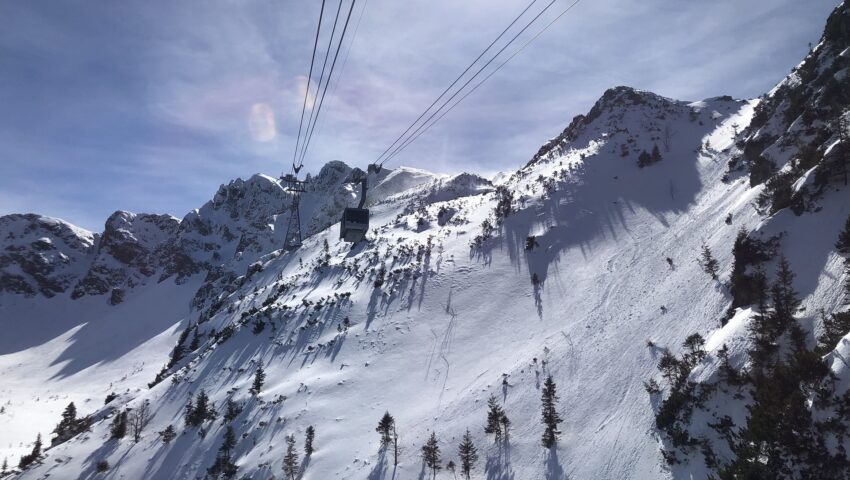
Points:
(354, 224)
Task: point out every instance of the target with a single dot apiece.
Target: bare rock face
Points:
(245, 221)
(131, 249)
(41, 255)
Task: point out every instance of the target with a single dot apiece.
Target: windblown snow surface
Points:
(438, 323)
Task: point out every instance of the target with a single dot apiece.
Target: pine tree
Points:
(259, 379)
(196, 341)
(168, 434)
(835, 327)
(200, 411)
(232, 410)
(34, 455)
(843, 244)
(224, 466)
(309, 435)
(550, 416)
(5, 467)
(708, 262)
(451, 467)
(644, 159)
(431, 455)
(468, 454)
(656, 154)
(494, 418)
(290, 460)
(119, 426)
(385, 428)
(506, 426)
(785, 298)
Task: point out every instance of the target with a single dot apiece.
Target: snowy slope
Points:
(443, 306)
(440, 333)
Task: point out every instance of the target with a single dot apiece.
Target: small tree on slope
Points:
(259, 379)
(385, 428)
(224, 466)
(431, 455)
(290, 460)
(550, 416)
(494, 417)
(309, 435)
(468, 454)
(708, 262)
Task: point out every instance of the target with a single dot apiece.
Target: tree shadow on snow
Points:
(554, 470)
(379, 471)
(498, 463)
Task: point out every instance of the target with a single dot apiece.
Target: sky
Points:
(150, 106)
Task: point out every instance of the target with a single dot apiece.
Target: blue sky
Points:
(149, 106)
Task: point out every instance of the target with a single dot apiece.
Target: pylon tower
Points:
(293, 230)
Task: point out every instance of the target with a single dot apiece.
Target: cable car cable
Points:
(398, 149)
(307, 90)
(490, 74)
(321, 78)
(327, 82)
(456, 80)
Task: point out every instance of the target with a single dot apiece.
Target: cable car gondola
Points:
(355, 221)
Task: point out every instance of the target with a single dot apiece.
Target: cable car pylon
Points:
(293, 238)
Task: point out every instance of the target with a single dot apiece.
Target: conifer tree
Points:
(232, 410)
(34, 455)
(843, 244)
(119, 426)
(200, 411)
(224, 466)
(168, 434)
(468, 454)
(5, 467)
(385, 428)
(550, 416)
(309, 435)
(431, 455)
(259, 379)
(290, 460)
(656, 154)
(708, 262)
(196, 341)
(835, 327)
(494, 418)
(506, 426)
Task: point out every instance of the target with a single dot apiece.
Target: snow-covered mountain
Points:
(587, 264)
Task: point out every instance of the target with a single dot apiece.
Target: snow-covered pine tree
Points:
(843, 243)
(200, 411)
(467, 453)
(224, 466)
(550, 416)
(710, 265)
(259, 379)
(232, 410)
(290, 460)
(168, 434)
(119, 426)
(385, 428)
(431, 455)
(506, 426)
(494, 418)
(309, 435)
(34, 455)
